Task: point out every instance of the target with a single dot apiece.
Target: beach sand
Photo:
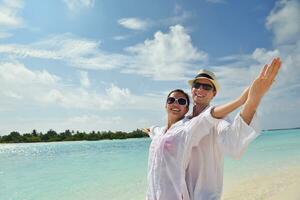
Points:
(283, 185)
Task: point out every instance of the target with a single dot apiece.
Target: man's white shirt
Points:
(204, 173)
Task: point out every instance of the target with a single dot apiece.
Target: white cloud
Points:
(114, 98)
(134, 23)
(27, 51)
(118, 94)
(167, 57)
(75, 5)
(17, 74)
(23, 89)
(180, 17)
(284, 21)
(84, 79)
(280, 106)
(40, 88)
(80, 99)
(238, 71)
(18, 82)
(9, 17)
(9, 11)
(233, 78)
(263, 56)
(77, 52)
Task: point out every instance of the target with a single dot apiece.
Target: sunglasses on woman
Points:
(180, 101)
(204, 86)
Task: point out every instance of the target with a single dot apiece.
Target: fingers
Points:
(277, 65)
(271, 71)
(263, 71)
(271, 68)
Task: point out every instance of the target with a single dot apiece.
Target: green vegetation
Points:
(52, 136)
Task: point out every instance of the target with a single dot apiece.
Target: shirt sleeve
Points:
(154, 130)
(233, 138)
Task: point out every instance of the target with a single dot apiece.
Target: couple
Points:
(186, 156)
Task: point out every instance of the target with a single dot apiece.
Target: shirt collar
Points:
(178, 123)
(190, 116)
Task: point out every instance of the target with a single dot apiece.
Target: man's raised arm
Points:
(258, 89)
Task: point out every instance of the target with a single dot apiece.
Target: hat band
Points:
(204, 75)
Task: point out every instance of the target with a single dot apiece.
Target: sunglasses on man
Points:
(180, 101)
(204, 86)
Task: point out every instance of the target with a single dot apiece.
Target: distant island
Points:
(67, 135)
(279, 129)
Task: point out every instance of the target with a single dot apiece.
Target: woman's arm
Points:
(222, 111)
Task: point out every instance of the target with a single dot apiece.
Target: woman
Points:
(171, 145)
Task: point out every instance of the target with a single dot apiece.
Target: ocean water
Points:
(117, 169)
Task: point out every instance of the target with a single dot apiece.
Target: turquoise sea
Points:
(117, 169)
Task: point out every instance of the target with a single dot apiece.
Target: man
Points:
(204, 173)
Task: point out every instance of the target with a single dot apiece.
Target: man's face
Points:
(201, 96)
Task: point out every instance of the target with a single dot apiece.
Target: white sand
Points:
(283, 185)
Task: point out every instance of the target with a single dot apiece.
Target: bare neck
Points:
(198, 108)
(171, 121)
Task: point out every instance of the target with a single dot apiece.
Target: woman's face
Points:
(176, 108)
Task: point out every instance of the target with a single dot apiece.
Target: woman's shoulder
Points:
(156, 130)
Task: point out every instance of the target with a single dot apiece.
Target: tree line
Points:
(67, 135)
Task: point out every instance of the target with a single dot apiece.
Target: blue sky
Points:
(108, 65)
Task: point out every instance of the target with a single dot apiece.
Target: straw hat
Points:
(205, 74)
